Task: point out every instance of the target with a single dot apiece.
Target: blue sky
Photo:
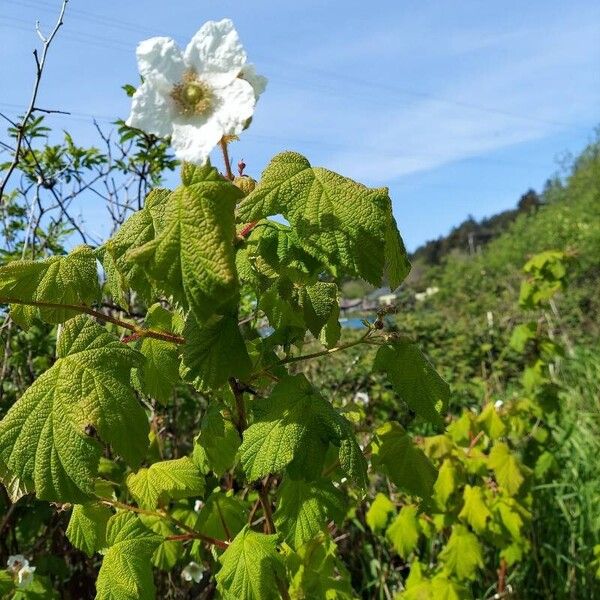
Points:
(457, 106)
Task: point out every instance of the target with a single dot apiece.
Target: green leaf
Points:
(379, 513)
(192, 257)
(490, 421)
(87, 527)
(251, 568)
(512, 516)
(140, 228)
(338, 220)
(305, 507)
(318, 573)
(320, 304)
(160, 371)
(474, 510)
(213, 352)
(222, 515)
(290, 424)
(7, 583)
(394, 455)
(169, 552)
(404, 531)
(507, 468)
(397, 265)
(48, 437)
(522, 334)
(446, 482)
(414, 379)
(462, 554)
(70, 279)
(126, 572)
(216, 445)
(165, 480)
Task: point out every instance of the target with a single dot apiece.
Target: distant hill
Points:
(472, 234)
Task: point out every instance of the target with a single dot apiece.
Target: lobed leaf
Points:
(414, 379)
(341, 222)
(69, 279)
(48, 437)
(251, 568)
(192, 256)
(126, 571)
(164, 480)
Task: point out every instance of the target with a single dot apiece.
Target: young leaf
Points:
(47, 438)
(192, 257)
(446, 482)
(506, 467)
(217, 443)
(140, 228)
(305, 508)
(284, 426)
(70, 279)
(404, 531)
(168, 552)
(474, 510)
(394, 454)
(251, 568)
(213, 352)
(320, 304)
(87, 526)
(222, 516)
(160, 372)
(379, 513)
(414, 379)
(126, 571)
(168, 479)
(318, 573)
(463, 554)
(490, 421)
(290, 424)
(339, 221)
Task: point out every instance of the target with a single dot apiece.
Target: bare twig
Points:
(40, 62)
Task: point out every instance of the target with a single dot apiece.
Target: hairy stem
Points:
(81, 308)
(228, 171)
(190, 533)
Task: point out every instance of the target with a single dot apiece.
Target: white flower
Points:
(193, 571)
(198, 505)
(498, 404)
(16, 562)
(361, 397)
(197, 96)
(25, 576)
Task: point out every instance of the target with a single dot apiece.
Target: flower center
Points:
(192, 96)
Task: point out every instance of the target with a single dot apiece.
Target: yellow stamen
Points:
(192, 96)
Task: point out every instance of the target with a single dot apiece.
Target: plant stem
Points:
(294, 359)
(266, 504)
(140, 332)
(238, 394)
(190, 533)
(228, 171)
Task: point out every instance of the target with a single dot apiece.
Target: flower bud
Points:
(245, 183)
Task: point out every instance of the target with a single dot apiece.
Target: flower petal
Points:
(235, 105)
(151, 110)
(258, 82)
(160, 59)
(194, 139)
(216, 53)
